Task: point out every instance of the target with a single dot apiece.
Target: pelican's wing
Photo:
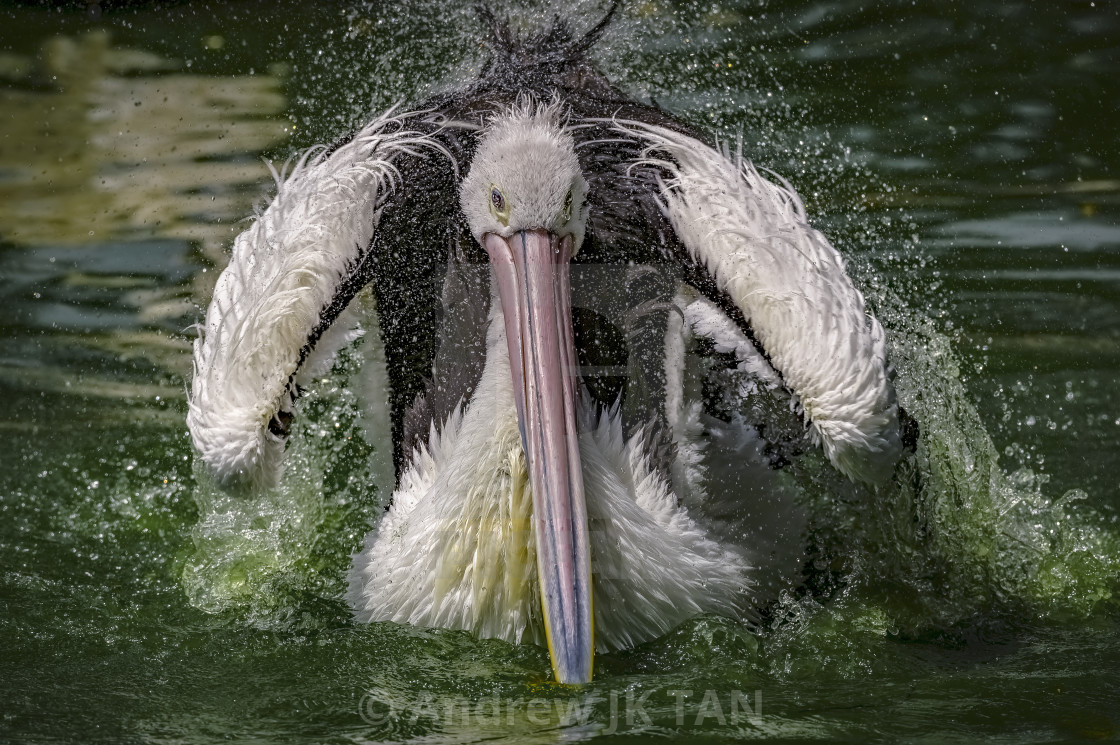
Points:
(793, 291)
(277, 315)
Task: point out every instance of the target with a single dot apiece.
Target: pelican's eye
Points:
(498, 206)
(566, 211)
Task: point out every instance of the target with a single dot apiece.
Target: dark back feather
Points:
(426, 268)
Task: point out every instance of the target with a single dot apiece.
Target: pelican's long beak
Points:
(532, 269)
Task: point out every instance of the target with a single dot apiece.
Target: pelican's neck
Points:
(456, 549)
(480, 435)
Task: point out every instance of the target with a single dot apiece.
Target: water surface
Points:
(963, 159)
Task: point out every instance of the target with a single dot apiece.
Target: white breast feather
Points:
(792, 287)
(456, 549)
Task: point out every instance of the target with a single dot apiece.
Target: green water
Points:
(965, 159)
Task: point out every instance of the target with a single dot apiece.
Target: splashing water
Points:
(279, 558)
(945, 153)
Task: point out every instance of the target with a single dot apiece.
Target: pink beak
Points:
(532, 269)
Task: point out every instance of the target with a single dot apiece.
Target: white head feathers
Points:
(525, 175)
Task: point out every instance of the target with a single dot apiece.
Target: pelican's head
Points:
(526, 202)
(525, 176)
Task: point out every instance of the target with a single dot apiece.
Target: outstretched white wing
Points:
(793, 290)
(269, 325)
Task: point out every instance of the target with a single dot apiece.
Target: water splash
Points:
(279, 558)
(958, 534)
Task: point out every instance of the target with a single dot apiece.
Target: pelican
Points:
(588, 314)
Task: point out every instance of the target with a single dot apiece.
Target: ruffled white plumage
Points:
(792, 287)
(257, 343)
(456, 549)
